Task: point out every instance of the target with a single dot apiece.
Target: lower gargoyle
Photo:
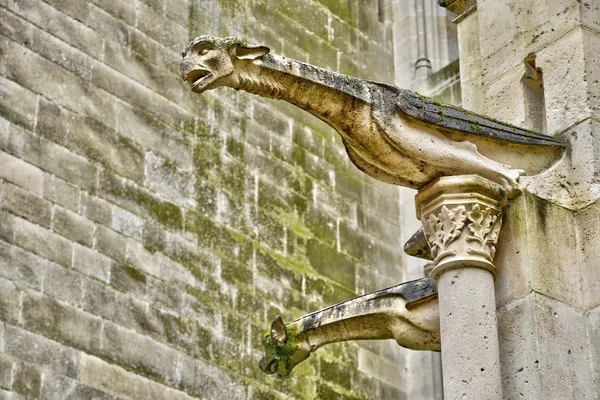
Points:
(407, 312)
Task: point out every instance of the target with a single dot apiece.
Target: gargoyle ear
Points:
(278, 333)
(248, 52)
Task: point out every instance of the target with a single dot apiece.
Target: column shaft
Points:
(470, 352)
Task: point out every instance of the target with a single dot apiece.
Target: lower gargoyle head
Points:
(210, 61)
(283, 349)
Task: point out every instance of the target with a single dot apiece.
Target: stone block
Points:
(563, 340)
(566, 88)
(589, 14)
(137, 95)
(96, 209)
(60, 322)
(514, 279)
(63, 388)
(38, 350)
(199, 378)
(21, 173)
(95, 141)
(135, 314)
(127, 279)
(127, 223)
(27, 380)
(63, 284)
(504, 97)
(52, 121)
(6, 371)
(539, 336)
(164, 295)
(56, 83)
(99, 299)
(170, 182)
(147, 357)
(91, 263)
(73, 226)
(594, 346)
(17, 104)
(551, 234)
(58, 24)
(4, 124)
(520, 360)
(109, 25)
(110, 243)
(153, 134)
(159, 392)
(100, 375)
(21, 267)
(52, 158)
(511, 31)
(588, 221)
(61, 192)
(123, 11)
(38, 240)
(322, 257)
(27, 205)
(139, 201)
(9, 302)
(143, 259)
(166, 32)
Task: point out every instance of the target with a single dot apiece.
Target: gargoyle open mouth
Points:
(197, 76)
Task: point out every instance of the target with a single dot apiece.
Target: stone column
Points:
(462, 217)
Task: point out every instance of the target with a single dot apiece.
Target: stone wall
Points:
(548, 252)
(148, 235)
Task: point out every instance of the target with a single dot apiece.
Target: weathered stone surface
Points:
(127, 223)
(63, 284)
(148, 357)
(27, 380)
(535, 367)
(21, 173)
(72, 226)
(110, 378)
(38, 350)
(90, 90)
(60, 322)
(588, 221)
(21, 267)
(61, 192)
(91, 263)
(27, 205)
(62, 388)
(38, 240)
(9, 303)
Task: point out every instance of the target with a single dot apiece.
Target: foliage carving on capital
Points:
(484, 227)
(442, 229)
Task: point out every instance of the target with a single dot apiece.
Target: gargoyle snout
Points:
(187, 65)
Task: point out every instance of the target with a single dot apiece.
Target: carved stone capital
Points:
(462, 217)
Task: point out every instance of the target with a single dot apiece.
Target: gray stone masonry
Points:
(148, 235)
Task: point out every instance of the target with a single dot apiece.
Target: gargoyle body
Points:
(391, 134)
(407, 312)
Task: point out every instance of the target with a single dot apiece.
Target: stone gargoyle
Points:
(407, 312)
(394, 135)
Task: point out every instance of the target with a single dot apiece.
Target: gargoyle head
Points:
(210, 61)
(283, 349)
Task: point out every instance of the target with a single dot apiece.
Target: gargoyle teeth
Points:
(195, 77)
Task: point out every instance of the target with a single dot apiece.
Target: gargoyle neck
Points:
(321, 92)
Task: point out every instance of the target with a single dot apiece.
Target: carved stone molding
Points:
(462, 218)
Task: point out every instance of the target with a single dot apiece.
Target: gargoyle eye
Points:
(204, 51)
